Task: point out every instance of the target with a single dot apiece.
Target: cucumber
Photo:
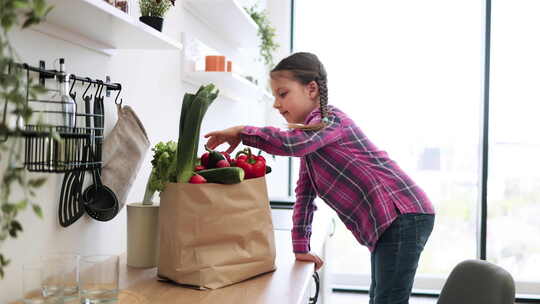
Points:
(227, 175)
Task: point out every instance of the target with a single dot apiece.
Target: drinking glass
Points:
(99, 279)
(61, 271)
(32, 286)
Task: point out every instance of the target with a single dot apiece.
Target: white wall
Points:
(279, 13)
(152, 85)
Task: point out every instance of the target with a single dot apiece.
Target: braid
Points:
(323, 96)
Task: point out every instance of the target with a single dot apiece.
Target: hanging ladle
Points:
(101, 202)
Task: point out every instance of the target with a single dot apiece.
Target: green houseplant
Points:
(153, 11)
(266, 32)
(13, 93)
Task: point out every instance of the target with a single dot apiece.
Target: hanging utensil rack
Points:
(43, 151)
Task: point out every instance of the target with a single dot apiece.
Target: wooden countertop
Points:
(285, 285)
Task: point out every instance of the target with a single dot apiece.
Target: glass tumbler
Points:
(99, 279)
(32, 286)
(61, 271)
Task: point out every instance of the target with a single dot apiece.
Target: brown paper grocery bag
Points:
(214, 235)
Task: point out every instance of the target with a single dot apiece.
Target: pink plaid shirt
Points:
(348, 172)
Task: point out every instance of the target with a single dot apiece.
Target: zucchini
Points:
(227, 175)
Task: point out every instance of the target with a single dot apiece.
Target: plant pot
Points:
(155, 22)
(142, 235)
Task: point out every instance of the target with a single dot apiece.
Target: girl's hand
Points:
(310, 257)
(230, 135)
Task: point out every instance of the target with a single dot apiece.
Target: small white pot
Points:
(142, 235)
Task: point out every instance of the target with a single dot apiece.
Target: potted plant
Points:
(13, 94)
(266, 33)
(153, 11)
(143, 218)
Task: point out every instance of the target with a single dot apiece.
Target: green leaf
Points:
(15, 225)
(37, 182)
(20, 4)
(21, 205)
(28, 22)
(49, 9)
(13, 233)
(7, 22)
(7, 207)
(39, 7)
(37, 210)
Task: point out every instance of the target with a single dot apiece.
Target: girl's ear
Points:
(313, 89)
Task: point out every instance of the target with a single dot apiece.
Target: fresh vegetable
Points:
(253, 166)
(222, 164)
(259, 168)
(193, 109)
(197, 179)
(227, 175)
(213, 158)
(162, 161)
(204, 159)
(247, 167)
(199, 168)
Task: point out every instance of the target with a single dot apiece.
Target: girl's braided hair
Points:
(305, 68)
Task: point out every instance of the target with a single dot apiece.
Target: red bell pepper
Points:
(253, 166)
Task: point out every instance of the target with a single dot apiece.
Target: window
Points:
(410, 74)
(514, 169)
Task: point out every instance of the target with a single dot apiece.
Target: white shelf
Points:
(97, 25)
(230, 85)
(228, 19)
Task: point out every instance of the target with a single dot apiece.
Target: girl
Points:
(380, 204)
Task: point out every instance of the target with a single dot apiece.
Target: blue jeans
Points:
(395, 258)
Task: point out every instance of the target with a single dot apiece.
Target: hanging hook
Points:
(99, 90)
(88, 87)
(71, 93)
(116, 99)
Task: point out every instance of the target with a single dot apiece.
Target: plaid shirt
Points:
(341, 166)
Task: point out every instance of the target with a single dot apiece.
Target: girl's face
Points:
(293, 100)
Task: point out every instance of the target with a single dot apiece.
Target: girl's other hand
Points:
(310, 257)
(230, 136)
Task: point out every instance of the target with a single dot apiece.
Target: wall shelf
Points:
(228, 19)
(97, 25)
(231, 85)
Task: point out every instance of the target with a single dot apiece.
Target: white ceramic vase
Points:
(142, 235)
